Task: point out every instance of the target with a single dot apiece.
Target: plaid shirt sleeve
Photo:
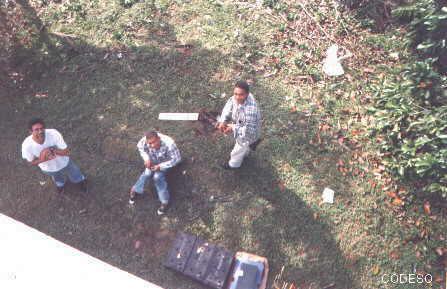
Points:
(226, 111)
(174, 157)
(248, 133)
(140, 145)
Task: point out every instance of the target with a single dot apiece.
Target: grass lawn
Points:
(116, 64)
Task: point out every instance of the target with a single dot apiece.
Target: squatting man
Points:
(159, 153)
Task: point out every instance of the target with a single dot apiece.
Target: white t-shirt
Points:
(31, 150)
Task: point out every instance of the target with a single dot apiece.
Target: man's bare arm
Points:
(59, 152)
(35, 162)
(45, 155)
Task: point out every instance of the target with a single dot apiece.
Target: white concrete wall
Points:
(30, 259)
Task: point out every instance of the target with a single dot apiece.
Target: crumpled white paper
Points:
(332, 63)
(328, 196)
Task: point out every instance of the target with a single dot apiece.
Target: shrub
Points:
(428, 29)
(127, 3)
(411, 108)
(411, 115)
(375, 14)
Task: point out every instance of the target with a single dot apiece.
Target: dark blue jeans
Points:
(159, 181)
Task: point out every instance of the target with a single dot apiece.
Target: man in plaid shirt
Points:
(159, 154)
(242, 117)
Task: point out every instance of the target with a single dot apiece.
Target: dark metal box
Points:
(209, 264)
(199, 259)
(219, 268)
(180, 251)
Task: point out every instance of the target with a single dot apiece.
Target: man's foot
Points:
(162, 210)
(60, 190)
(254, 145)
(83, 186)
(226, 166)
(133, 196)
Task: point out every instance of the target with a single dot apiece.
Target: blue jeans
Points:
(159, 181)
(73, 172)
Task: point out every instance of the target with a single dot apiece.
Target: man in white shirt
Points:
(159, 154)
(47, 149)
(241, 117)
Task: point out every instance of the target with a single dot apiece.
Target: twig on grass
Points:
(316, 22)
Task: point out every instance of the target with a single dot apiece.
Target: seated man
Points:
(159, 154)
(242, 117)
(47, 149)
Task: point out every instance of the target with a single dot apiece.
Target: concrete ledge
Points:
(31, 259)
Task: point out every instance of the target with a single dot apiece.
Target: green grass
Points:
(96, 97)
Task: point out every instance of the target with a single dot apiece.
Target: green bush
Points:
(428, 29)
(411, 115)
(128, 3)
(411, 108)
(374, 14)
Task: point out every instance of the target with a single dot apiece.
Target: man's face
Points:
(38, 131)
(240, 95)
(153, 142)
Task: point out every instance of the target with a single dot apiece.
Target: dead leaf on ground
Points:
(372, 183)
(398, 201)
(391, 194)
(356, 132)
(438, 278)
(375, 270)
(324, 127)
(440, 251)
(41, 95)
(281, 186)
(368, 70)
(427, 207)
(424, 233)
(394, 255)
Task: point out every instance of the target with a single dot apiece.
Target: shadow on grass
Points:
(375, 14)
(262, 214)
(102, 96)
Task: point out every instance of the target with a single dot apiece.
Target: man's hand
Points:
(155, 168)
(225, 128)
(221, 126)
(148, 164)
(58, 152)
(46, 155)
(228, 128)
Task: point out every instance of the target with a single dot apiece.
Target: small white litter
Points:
(328, 196)
(332, 63)
(178, 116)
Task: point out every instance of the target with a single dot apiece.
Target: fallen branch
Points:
(316, 22)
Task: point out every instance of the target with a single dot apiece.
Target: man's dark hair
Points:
(244, 85)
(35, 120)
(150, 134)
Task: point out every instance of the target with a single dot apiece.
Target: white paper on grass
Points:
(178, 116)
(332, 63)
(328, 196)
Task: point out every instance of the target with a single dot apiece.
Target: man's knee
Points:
(159, 176)
(147, 173)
